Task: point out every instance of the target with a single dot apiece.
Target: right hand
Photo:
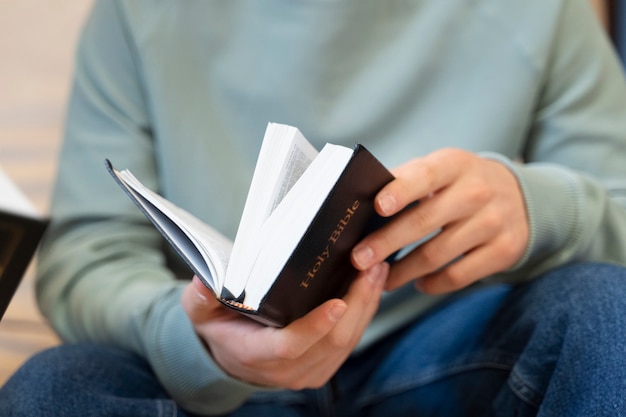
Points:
(304, 354)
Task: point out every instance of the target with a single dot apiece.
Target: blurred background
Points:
(37, 41)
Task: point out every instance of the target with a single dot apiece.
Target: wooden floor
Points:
(37, 40)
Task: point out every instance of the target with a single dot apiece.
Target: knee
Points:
(63, 363)
(588, 294)
(573, 323)
(37, 384)
(589, 285)
(66, 375)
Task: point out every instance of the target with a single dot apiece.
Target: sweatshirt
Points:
(180, 92)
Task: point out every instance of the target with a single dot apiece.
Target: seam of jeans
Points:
(524, 391)
(427, 378)
(167, 408)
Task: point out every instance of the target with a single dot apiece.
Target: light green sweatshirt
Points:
(180, 92)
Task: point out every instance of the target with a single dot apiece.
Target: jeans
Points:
(555, 346)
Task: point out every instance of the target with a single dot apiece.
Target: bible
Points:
(304, 212)
(21, 229)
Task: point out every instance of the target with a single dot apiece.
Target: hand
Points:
(475, 203)
(304, 354)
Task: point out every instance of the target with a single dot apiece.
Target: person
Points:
(618, 28)
(506, 120)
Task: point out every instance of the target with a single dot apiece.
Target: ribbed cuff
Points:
(183, 365)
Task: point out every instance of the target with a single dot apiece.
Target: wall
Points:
(37, 39)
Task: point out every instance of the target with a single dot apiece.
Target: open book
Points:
(21, 229)
(304, 212)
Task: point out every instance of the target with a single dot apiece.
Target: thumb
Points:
(299, 336)
(198, 301)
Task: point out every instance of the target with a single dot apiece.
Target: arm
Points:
(574, 181)
(601, 9)
(102, 274)
(566, 202)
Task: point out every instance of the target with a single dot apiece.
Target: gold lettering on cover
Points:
(332, 239)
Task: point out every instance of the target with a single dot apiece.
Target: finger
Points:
(295, 339)
(198, 301)
(362, 299)
(453, 242)
(266, 355)
(289, 356)
(478, 264)
(419, 178)
(412, 225)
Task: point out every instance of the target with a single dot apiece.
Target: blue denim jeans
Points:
(555, 346)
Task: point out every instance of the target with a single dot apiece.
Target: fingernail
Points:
(201, 297)
(363, 256)
(337, 312)
(387, 203)
(374, 274)
(197, 286)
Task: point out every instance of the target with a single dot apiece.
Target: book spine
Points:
(320, 267)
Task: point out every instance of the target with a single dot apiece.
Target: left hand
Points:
(477, 205)
(304, 354)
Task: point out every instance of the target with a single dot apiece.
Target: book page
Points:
(277, 238)
(13, 200)
(298, 160)
(204, 248)
(285, 154)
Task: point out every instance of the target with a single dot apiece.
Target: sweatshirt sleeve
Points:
(102, 274)
(573, 173)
